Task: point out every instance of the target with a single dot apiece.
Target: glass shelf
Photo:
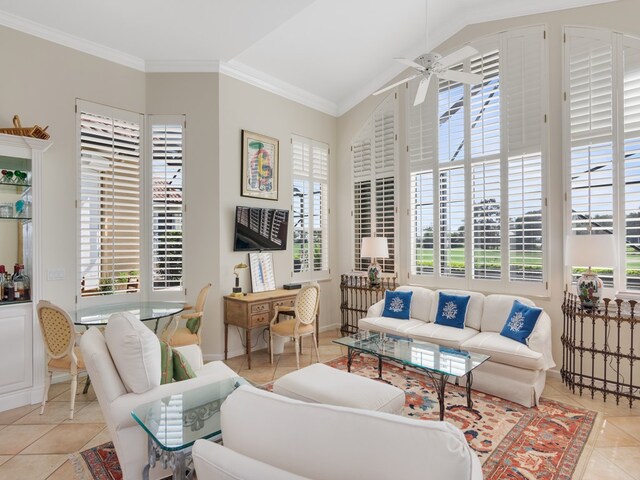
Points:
(14, 187)
(15, 218)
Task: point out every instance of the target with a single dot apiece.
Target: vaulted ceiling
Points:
(328, 54)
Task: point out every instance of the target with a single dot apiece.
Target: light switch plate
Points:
(55, 274)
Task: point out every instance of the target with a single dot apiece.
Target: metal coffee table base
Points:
(179, 462)
(438, 380)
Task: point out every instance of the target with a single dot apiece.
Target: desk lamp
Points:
(237, 290)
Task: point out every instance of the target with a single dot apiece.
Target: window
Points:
(110, 198)
(373, 153)
(166, 202)
(310, 208)
(602, 80)
(476, 170)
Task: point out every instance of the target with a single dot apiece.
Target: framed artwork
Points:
(262, 277)
(260, 157)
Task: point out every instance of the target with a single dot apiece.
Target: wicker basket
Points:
(36, 131)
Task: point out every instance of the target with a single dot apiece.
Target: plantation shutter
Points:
(110, 199)
(631, 164)
(590, 113)
(167, 140)
(452, 221)
(485, 153)
(523, 95)
(310, 207)
(374, 163)
(422, 158)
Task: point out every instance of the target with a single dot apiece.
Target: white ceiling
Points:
(328, 54)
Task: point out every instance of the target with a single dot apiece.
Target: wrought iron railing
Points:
(357, 295)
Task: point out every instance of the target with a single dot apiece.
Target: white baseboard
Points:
(28, 396)
(554, 373)
(210, 357)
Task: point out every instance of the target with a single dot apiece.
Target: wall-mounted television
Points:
(259, 229)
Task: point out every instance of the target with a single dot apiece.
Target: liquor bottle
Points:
(16, 270)
(9, 290)
(2, 273)
(18, 283)
(26, 282)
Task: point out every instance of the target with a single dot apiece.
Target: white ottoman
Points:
(319, 383)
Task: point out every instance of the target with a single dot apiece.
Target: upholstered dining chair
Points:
(191, 333)
(304, 312)
(62, 355)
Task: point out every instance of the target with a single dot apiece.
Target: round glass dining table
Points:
(145, 311)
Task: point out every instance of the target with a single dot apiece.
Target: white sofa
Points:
(270, 437)
(116, 402)
(515, 371)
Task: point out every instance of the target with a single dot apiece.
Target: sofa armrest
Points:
(376, 309)
(122, 406)
(215, 462)
(540, 340)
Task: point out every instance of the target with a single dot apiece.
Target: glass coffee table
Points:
(175, 422)
(438, 363)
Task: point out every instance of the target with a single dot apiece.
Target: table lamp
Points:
(237, 290)
(374, 248)
(590, 250)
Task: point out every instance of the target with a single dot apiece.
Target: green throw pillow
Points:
(181, 368)
(166, 355)
(193, 324)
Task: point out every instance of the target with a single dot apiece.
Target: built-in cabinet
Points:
(21, 348)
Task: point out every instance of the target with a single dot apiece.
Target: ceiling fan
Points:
(433, 64)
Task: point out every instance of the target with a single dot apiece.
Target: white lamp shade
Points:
(374, 247)
(590, 251)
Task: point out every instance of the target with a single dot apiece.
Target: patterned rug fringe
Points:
(80, 469)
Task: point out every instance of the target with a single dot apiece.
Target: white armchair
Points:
(116, 402)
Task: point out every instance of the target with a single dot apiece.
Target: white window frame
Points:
(131, 117)
(176, 293)
(307, 175)
(504, 284)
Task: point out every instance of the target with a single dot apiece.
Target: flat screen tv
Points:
(260, 229)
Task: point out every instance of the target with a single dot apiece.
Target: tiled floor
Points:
(34, 446)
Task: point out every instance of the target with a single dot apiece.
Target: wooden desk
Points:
(254, 310)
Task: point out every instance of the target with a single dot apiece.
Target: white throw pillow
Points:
(135, 350)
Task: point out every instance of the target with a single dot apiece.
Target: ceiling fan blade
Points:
(462, 77)
(410, 63)
(393, 85)
(457, 56)
(421, 94)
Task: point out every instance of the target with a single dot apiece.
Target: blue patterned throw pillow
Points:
(452, 310)
(397, 305)
(521, 322)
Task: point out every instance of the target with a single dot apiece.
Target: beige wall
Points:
(243, 106)
(40, 82)
(619, 16)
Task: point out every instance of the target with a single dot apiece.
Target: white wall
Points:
(619, 16)
(243, 106)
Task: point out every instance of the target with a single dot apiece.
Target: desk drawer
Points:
(260, 308)
(257, 320)
(284, 303)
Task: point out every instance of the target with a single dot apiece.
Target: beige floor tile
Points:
(609, 408)
(281, 371)
(58, 388)
(612, 436)
(236, 363)
(600, 468)
(627, 458)
(103, 437)
(630, 425)
(92, 413)
(32, 467)
(5, 458)
(54, 412)
(64, 472)
(15, 438)
(65, 438)
(289, 360)
(10, 416)
(259, 374)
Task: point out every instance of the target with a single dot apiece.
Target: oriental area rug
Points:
(512, 441)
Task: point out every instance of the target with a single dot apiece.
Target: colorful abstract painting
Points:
(259, 166)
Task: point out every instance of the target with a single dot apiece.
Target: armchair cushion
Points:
(182, 336)
(286, 327)
(181, 368)
(193, 324)
(135, 351)
(64, 363)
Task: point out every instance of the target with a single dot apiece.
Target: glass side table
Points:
(175, 422)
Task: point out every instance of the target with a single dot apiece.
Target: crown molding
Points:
(274, 85)
(57, 36)
(182, 66)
